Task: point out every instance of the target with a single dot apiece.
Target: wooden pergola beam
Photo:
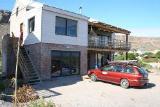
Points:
(109, 28)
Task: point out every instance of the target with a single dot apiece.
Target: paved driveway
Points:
(77, 92)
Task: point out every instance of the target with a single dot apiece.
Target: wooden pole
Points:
(127, 46)
(20, 40)
(16, 72)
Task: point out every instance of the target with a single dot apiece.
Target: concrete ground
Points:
(74, 91)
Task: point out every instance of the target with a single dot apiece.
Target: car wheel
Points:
(93, 77)
(124, 83)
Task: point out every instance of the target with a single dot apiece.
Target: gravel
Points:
(75, 91)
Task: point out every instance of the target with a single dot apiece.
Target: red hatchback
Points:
(125, 75)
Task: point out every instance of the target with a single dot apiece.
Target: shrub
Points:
(132, 56)
(119, 57)
(158, 55)
(2, 86)
(41, 103)
(25, 94)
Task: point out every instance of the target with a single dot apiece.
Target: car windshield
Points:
(142, 70)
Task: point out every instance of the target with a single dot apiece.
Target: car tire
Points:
(93, 77)
(124, 83)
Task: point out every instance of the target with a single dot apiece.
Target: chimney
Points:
(80, 9)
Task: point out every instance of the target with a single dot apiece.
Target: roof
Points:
(108, 27)
(64, 12)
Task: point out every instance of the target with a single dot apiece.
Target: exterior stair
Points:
(31, 75)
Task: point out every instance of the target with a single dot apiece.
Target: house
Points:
(61, 43)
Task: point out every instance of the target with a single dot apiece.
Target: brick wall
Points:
(41, 57)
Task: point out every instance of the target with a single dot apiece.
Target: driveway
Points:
(74, 91)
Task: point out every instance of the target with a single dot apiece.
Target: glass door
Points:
(65, 63)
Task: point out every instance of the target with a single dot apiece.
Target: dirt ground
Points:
(77, 92)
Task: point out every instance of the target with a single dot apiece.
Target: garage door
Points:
(65, 63)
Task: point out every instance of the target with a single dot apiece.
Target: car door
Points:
(105, 72)
(128, 73)
(115, 75)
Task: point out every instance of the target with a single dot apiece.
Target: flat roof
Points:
(64, 12)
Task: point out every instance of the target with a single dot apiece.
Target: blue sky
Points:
(141, 17)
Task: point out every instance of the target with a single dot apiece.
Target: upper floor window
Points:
(66, 27)
(31, 24)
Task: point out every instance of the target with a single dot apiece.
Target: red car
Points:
(125, 75)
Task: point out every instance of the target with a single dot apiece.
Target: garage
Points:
(65, 63)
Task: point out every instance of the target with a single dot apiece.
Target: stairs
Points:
(29, 73)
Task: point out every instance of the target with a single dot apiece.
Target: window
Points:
(118, 68)
(128, 70)
(31, 24)
(60, 26)
(66, 27)
(71, 27)
(65, 63)
(107, 68)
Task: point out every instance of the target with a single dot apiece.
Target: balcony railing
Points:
(104, 43)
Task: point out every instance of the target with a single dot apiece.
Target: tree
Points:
(131, 56)
(157, 55)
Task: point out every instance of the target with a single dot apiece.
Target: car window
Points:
(107, 68)
(128, 70)
(142, 71)
(118, 68)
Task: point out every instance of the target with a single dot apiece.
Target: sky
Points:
(141, 17)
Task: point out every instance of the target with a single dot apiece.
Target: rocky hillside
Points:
(4, 24)
(143, 43)
(4, 16)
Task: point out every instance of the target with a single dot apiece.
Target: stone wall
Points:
(40, 54)
(4, 29)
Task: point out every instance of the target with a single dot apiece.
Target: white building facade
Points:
(52, 37)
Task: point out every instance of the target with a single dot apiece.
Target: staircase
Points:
(29, 73)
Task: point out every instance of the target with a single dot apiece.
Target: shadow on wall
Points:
(46, 88)
(31, 39)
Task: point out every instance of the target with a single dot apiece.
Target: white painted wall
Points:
(49, 24)
(45, 20)
(23, 17)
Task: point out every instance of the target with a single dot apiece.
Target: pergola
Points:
(110, 28)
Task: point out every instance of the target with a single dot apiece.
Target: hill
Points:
(142, 43)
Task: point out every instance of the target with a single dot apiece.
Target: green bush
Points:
(157, 55)
(41, 103)
(132, 56)
(149, 54)
(2, 86)
(120, 57)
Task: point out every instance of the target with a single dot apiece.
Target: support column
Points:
(127, 46)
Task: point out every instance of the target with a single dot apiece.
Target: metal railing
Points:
(105, 43)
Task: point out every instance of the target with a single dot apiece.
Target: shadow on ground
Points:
(148, 86)
(45, 89)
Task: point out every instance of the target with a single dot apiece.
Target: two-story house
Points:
(62, 43)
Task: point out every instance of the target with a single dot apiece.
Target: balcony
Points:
(99, 42)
